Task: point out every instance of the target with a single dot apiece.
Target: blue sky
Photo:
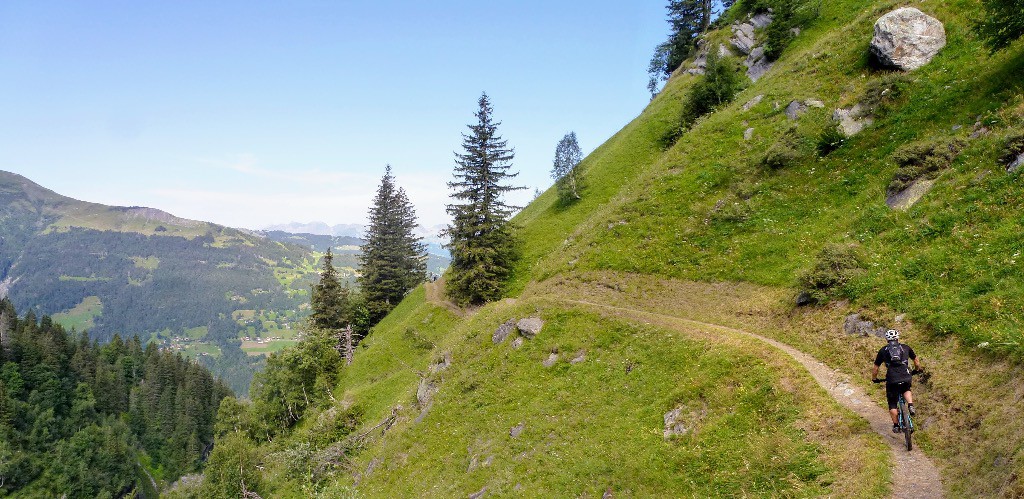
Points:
(250, 113)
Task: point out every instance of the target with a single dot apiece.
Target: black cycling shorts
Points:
(893, 392)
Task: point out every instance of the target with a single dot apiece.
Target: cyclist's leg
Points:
(892, 396)
(909, 396)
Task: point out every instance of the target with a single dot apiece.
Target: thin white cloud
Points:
(248, 164)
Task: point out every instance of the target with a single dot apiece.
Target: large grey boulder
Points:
(907, 39)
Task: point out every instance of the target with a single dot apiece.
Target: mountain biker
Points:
(896, 357)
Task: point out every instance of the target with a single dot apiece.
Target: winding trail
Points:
(914, 476)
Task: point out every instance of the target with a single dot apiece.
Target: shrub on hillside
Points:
(883, 94)
(834, 267)
(831, 138)
(721, 82)
(923, 160)
(1013, 147)
(782, 154)
(729, 209)
(1002, 23)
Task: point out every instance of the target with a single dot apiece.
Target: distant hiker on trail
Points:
(896, 357)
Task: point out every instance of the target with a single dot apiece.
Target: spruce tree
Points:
(393, 258)
(482, 243)
(688, 20)
(329, 300)
(567, 156)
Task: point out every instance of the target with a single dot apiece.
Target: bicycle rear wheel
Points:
(905, 423)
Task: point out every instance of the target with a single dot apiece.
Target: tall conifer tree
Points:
(482, 243)
(393, 259)
(330, 300)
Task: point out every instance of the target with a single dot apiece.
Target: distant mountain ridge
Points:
(138, 270)
(432, 236)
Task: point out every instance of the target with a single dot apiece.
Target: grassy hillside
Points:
(706, 229)
(949, 261)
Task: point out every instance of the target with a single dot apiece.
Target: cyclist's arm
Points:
(913, 357)
(874, 372)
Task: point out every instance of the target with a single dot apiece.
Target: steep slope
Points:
(707, 230)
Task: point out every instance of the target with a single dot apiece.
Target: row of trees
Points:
(75, 416)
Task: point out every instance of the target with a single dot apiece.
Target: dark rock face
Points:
(803, 299)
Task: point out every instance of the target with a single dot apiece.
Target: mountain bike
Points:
(905, 422)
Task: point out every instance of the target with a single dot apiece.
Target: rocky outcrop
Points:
(529, 327)
(855, 325)
(757, 64)
(744, 40)
(425, 393)
(907, 39)
(852, 120)
(700, 63)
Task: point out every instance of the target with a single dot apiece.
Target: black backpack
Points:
(896, 354)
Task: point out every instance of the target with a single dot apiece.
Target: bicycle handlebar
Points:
(915, 372)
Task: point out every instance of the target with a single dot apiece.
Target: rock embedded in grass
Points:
(1016, 164)
(753, 102)
(550, 361)
(855, 325)
(503, 331)
(673, 423)
(852, 120)
(517, 430)
(907, 39)
(530, 327)
(795, 109)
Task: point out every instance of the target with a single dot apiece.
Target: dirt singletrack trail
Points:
(914, 476)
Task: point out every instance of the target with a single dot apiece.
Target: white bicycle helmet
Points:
(892, 335)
